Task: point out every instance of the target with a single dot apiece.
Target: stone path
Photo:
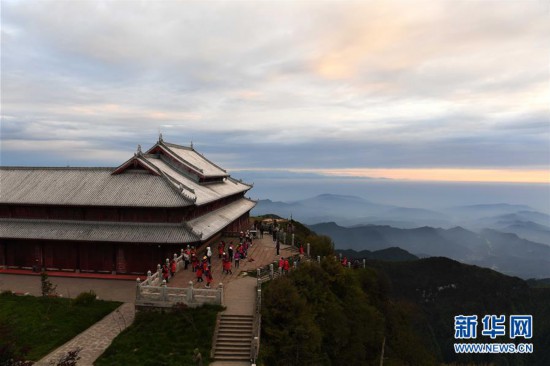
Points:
(240, 291)
(95, 340)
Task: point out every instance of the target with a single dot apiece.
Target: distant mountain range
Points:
(503, 252)
(393, 254)
(350, 211)
(512, 239)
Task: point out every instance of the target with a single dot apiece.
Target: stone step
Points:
(232, 337)
(236, 316)
(235, 331)
(237, 322)
(230, 316)
(247, 327)
(226, 356)
(239, 349)
(229, 343)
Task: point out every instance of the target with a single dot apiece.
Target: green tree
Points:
(292, 336)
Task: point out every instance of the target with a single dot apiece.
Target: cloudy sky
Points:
(420, 90)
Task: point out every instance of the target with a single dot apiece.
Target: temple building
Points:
(117, 220)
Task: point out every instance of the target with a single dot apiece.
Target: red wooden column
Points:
(2, 254)
(120, 260)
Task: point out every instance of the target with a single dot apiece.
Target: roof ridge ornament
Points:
(139, 153)
(191, 144)
(160, 137)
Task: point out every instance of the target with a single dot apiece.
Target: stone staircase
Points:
(234, 337)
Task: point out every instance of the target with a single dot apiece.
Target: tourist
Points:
(226, 263)
(198, 273)
(209, 254)
(186, 257)
(230, 251)
(301, 249)
(194, 261)
(281, 264)
(173, 268)
(278, 246)
(286, 266)
(237, 257)
(221, 248)
(209, 279)
(165, 272)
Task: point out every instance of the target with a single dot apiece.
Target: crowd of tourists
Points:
(230, 254)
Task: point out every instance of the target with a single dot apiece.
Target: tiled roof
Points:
(203, 192)
(97, 231)
(86, 186)
(195, 160)
(214, 221)
(144, 180)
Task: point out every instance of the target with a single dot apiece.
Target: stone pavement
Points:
(95, 340)
(260, 254)
(240, 296)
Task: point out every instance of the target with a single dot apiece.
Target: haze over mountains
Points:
(512, 239)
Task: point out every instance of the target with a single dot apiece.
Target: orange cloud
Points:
(447, 175)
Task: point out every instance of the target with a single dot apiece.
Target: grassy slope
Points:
(39, 325)
(157, 338)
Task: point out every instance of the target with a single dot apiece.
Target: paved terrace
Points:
(261, 253)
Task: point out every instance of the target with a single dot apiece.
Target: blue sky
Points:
(384, 89)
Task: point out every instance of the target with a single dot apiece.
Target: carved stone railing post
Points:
(159, 274)
(190, 293)
(163, 291)
(364, 263)
(292, 239)
(349, 264)
(319, 259)
(138, 288)
(308, 249)
(271, 271)
(149, 275)
(220, 294)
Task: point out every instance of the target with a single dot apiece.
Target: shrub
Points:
(48, 288)
(85, 298)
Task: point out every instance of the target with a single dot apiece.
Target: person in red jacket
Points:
(281, 264)
(301, 249)
(209, 278)
(165, 272)
(199, 273)
(286, 266)
(226, 262)
(173, 268)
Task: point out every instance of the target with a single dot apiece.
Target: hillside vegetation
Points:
(325, 314)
